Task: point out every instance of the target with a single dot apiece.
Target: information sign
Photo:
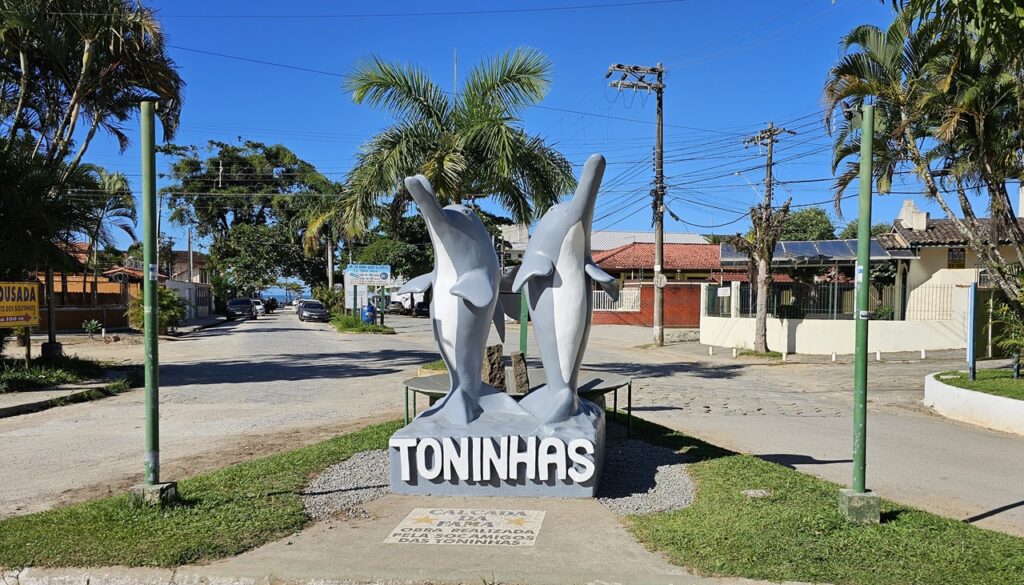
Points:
(19, 304)
(370, 274)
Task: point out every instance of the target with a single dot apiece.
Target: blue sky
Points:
(732, 67)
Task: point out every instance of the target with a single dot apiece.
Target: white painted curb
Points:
(977, 408)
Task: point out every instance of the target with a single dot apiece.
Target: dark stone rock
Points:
(519, 373)
(494, 367)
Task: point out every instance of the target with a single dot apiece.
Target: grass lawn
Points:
(996, 382)
(223, 513)
(350, 324)
(437, 365)
(768, 355)
(46, 372)
(798, 534)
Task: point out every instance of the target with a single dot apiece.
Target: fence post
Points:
(735, 300)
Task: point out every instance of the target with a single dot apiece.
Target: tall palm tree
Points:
(65, 61)
(114, 210)
(469, 144)
(937, 113)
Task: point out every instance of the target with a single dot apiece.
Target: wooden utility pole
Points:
(767, 225)
(635, 77)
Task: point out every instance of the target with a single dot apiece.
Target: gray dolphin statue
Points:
(465, 295)
(557, 273)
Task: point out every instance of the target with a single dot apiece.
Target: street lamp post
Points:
(858, 504)
(152, 491)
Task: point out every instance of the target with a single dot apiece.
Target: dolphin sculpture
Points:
(557, 272)
(465, 295)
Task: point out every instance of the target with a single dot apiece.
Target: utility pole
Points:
(635, 77)
(767, 225)
(152, 491)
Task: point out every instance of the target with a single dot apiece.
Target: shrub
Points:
(334, 300)
(92, 327)
(170, 310)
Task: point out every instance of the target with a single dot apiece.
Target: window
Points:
(955, 258)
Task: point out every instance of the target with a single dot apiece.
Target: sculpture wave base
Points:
(499, 454)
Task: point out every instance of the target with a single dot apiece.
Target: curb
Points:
(85, 395)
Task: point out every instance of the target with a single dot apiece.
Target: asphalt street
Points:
(246, 389)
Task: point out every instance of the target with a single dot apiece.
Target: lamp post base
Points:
(158, 494)
(860, 508)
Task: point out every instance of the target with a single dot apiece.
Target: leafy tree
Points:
(807, 224)
(850, 231)
(469, 145)
(250, 257)
(405, 259)
(759, 245)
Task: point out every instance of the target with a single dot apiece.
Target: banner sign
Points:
(19, 304)
(370, 274)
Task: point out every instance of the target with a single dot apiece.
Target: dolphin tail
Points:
(456, 408)
(551, 403)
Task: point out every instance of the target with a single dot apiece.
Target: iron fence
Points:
(629, 300)
(718, 304)
(819, 301)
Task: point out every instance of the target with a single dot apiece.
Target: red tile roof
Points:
(677, 257)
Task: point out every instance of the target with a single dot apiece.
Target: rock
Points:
(494, 366)
(519, 373)
(757, 494)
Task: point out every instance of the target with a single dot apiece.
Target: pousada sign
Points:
(19, 304)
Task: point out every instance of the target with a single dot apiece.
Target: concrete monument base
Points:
(499, 454)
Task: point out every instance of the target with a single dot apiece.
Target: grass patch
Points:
(798, 534)
(437, 365)
(223, 513)
(768, 355)
(46, 372)
(995, 382)
(349, 324)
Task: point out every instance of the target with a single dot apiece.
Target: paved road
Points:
(227, 393)
(245, 389)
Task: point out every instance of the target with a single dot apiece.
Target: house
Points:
(515, 238)
(919, 293)
(190, 278)
(686, 266)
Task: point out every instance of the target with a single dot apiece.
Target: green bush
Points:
(46, 372)
(346, 323)
(333, 300)
(170, 310)
(92, 327)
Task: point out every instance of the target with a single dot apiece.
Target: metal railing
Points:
(717, 304)
(819, 301)
(932, 302)
(629, 300)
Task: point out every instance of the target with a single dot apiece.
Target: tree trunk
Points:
(22, 90)
(330, 263)
(761, 314)
(66, 126)
(95, 277)
(81, 150)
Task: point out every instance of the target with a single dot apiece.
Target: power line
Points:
(354, 15)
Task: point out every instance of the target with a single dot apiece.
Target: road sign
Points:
(370, 274)
(19, 304)
(660, 280)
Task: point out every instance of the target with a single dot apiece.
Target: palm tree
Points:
(469, 144)
(114, 210)
(64, 61)
(322, 221)
(942, 109)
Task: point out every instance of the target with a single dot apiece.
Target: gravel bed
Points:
(342, 487)
(641, 478)
(638, 478)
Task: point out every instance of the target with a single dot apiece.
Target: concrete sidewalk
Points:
(579, 542)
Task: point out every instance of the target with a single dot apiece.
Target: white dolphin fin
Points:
(533, 265)
(607, 281)
(499, 320)
(417, 285)
(475, 288)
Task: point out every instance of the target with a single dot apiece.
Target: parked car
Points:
(241, 309)
(421, 309)
(397, 308)
(271, 304)
(298, 305)
(313, 311)
(261, 309)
